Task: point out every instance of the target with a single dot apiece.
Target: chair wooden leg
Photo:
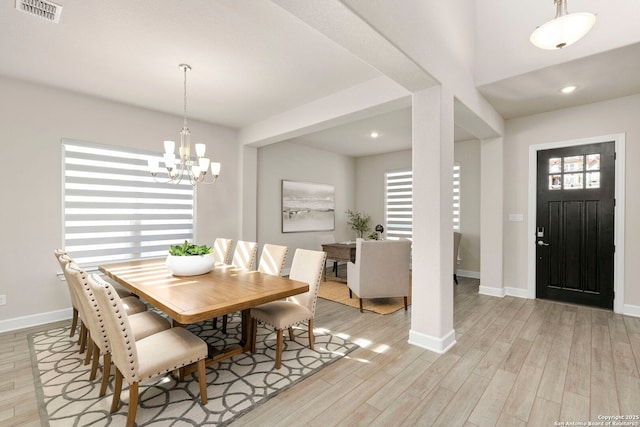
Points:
(215, 323)
(90, 345)
(254, 334)
(360, 305)
(202, 378)
(106, 372)
(455, 278)
(133, 404)
(94, 365)
(74, 322)
(279, 349)
(311, 338)
(350, 294)
(82, 339)
(291, 337)
(405, 304)
(116, 392)
(224, 324)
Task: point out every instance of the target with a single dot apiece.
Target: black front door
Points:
(575, 224)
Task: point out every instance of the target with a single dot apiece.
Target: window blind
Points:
(399, 204)
(456, 196)
(113, 209)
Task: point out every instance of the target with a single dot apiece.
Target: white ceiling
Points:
(252, 60)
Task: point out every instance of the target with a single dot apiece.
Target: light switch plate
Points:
(3, 299)
(516, 217)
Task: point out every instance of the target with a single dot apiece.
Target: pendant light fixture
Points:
(196, 169)
(563, 30)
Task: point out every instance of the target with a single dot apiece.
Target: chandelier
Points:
(196, 169)
(564, 30)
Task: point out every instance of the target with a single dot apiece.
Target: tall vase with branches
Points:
(359, 222)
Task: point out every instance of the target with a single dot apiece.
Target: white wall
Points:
(604, 118)
(295, 162)
(33, 120)
(467, 153)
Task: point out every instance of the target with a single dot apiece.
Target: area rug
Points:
(235, 386)
(339, 292)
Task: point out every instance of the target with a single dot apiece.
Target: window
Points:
(114, 210)
(456, 196)
(579, 172)
(399, 204)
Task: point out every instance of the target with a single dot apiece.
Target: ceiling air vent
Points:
(43, 9)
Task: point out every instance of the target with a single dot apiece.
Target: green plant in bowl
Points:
(189, 249)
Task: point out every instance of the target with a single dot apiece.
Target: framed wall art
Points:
(307, 206)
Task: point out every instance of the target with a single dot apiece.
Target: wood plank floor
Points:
(517, 362)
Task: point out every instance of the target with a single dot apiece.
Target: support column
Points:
(432, 286)
(491, 217)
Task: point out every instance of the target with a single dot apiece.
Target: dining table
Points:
(192, 299)
(340, 251)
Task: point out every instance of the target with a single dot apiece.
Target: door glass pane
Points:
(555, 182)
(573, 163)
(593, 162)
(555, 165)
(572, 181)
(593, 179)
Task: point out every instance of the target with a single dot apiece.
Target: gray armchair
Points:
(381, 269)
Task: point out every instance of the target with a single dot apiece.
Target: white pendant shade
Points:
(563, 31)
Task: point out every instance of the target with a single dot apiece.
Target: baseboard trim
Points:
(35, 320)
(518, 292)
(431, 343)
(631, 310)
(469, 274)
(491, 291)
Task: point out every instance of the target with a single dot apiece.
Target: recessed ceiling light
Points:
(568, 89)
(374, 135)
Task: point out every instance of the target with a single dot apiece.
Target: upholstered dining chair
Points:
(244, 255)
(63, 260)
(456, 247)
(138, 360)
(222, 250)
(272, 259)
(143, 323)
(306, 267)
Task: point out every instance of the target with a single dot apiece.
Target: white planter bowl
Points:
(190, 265)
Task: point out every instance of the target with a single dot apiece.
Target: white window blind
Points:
(456, 196)
(114, 210)
(399, 204)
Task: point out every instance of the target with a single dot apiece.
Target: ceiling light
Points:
(568, 89)
(374, 135)
(196, 169)
(564, 30)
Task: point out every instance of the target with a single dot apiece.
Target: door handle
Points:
(541, 243)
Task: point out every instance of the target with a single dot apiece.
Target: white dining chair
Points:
(143, 323)
(140, 359)
(243, 258)
(222, 250)
(307, 267)
(272, 259)
(244, 255)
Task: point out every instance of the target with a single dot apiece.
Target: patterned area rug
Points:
(237, 385)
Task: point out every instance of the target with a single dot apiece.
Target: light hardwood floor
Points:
(516, 362)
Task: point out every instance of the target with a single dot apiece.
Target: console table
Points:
(340, 252)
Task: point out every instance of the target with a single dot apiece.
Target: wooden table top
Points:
(194, 299)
